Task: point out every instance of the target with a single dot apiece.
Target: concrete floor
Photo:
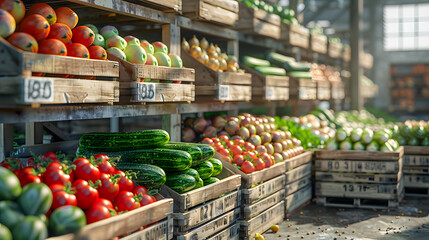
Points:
(410, 221)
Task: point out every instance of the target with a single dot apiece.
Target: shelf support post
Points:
(171, 37)
(33, 133)
(356, 45)
(6, 140)
(171, 123)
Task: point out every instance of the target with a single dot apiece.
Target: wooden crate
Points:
(162, 230)
(303, 89)
(323, 90)
(318, 43)
(163, 5)
(252, 210)
(134, 90)
(231, 233)
(65, 80)
(201, 214)
(298, 173)
(387, 178)
(262, 222)
(218, 86)
(416, 171)
(258, 22)
(224, 12)
(359, 155)
(298, 200)
(299, 160)
(295, 35)
(268, 87)
(216, 226)
(335, 49)
(125, 223)
(251, 195)
(337, 90)
(294, 186)
(229, 182)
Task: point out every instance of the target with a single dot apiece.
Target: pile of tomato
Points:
(94, 185)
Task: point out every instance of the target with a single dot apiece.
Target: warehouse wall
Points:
(383, 59)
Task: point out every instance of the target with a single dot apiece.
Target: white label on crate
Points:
(146, 92)
(38, 90)
(224, 92)
(269, 93)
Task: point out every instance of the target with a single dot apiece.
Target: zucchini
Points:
(193, 150)
(271, 71)
(205, 169)
(124, 140)
(217, 166)
(211, 180)
(180, 182)
(279, 59)
(149, 176)
(200, 184)
(307, 75)
(255, 62)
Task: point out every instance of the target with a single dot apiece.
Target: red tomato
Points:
(86, 170)
(224, 138)
(125, 183)
(123, 194)
(259, 164)
(227, 159)
(36, 25)
(239, 142)
(218, 146)
(207, 141)
(53, 47)
(28, 175)
(62, 198)
(56, 188)
(45, 10)
(83, 35)
(247, 167)
(126, 204)
(105, 166)
(236, 150)
(15, 7)
(104, 202)
(54, 174)
(249, 146)
(139, 189)
(223, 152)
(229, 144)
(23, 41)
(77, 50)
(97, 213)
(215, 140)
(86, 195)
(238, 159)
(49, 155)
(109, 186)
(61, 32)
(67, 16)
(145, 199)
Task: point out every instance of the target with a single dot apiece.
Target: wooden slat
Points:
(298, 184)
(416, 150)
(267, 17)
(358, 166)
(160, 231)
(340, 202)
(237, 93)
(175, 5)
(182, 202)
(416, 169)
(266, 29)
(225, 4)
(165, 92)
(207, 212)
(262, 190)
(358, 177)
(295, 35)
(359, 155)
(299, 160)
(256, 21)
(416, 160)
(231, 233)
(212, 227)
(298, 198)
(319, 43)
(298, 173)
(250, 211)
(416, 180)
(217, 14)
(234, 78)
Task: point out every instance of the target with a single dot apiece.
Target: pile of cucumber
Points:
(155, 160)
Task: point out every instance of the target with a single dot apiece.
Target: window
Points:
(406, 27)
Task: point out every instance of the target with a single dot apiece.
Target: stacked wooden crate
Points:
(416, 171)
(258, 22)
(224, 12)
(295, 35)
(362, 179)
(318, 43)
(303, 88)
(207, 212)
(298, 188)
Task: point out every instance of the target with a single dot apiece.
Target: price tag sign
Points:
(224, 92)
(146, 92)
(38, 90)
(269, 93)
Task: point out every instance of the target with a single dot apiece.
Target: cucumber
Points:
(217, 166)
(207, 150)
(271, 71)
(180, 182)
(194, 173)
(279, 59)
(255, 62)
(168, 159)
(124, 140)
(296, 66)
(296, 74)
(205, 169)
(211, 180)
(200, 184)
(149, 176)
(193, 150)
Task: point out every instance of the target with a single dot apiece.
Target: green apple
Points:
(117, 52)
(135, 54)
(99, 40)
(176, 61)
(132, 40)
(151, 60)
(116, 41)
(109, 31)
(147, 47)
(163, 59)
(160, 47)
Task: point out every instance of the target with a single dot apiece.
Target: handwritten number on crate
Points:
(146, 92)
(39, 90)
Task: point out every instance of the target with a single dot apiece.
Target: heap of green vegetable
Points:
(412, 133)
(287, 15)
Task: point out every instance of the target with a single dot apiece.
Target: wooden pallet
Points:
(323, 90)
(303, 89)
(299, 160)
(359, 155)
(224, 12)
(258, 22)
(268, 87)
(64, 80)
(183, 202)
(133, 89)
(211, 228)
(357, 177)
(318, 43)
(357, 166)
(416, 180)
(251, 210)
(231, 233)
(201, 214)
(125, 223)
(298, 199)
(298, 184)
(337, 90)
(341, 202)
(298, 173)
(163, 5)
(262, 222)
(420, 192)
(262, 190)
(335, 50)
(218, 86)
(295, 35)
(162, 230)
